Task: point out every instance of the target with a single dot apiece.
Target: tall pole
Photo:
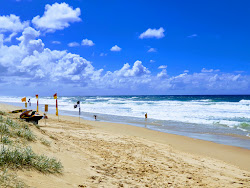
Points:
(55, 97)
(57, 109)
(37, 105)
(79, 113)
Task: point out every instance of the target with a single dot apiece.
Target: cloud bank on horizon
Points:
(26, 62)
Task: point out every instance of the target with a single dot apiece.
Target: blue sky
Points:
(89, 47)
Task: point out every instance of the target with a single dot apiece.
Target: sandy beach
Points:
(101, 154)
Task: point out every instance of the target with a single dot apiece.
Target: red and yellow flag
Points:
(37, 96)
(55, 96)
(23, 99)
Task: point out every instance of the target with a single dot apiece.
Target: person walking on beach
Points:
(146, 116)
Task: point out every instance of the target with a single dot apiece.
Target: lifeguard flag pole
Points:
(78, 105)
(24, 100)
(37, 103)
(55, 97)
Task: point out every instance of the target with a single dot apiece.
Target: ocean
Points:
(223, 119)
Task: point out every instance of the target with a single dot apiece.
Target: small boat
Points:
(30, 115)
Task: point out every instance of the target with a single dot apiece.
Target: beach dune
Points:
(101, 154)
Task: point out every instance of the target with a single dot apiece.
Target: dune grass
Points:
(25, 158)
(15, 154)
(2, 113)
(11, 128)
(45, 142)
(10, 180)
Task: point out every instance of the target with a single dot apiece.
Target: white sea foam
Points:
(244, 101)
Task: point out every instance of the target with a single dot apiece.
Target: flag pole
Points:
(24, 100)
(37, 103)
(79, 113)
(55, 97)
(57, 109)
(75, 106)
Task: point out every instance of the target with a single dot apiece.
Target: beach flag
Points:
(23, 99)
(55, 97)
(78, 105)
(37, 103)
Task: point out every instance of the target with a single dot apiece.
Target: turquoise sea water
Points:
(222, 119)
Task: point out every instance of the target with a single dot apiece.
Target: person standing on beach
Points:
(146, 116)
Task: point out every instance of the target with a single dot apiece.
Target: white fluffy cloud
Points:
(30, 61)
(153, 33)
(87, 42)
(56, 42)
(162, 74)
(115, 49)
(57, 17)
(12, 23)
(73, 44)
(152, 50)
(137, 70)
(103, 54)
(10, 37)
(162, 67)
(210, 70)
(192, 36)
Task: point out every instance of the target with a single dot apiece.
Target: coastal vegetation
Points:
(15, 152)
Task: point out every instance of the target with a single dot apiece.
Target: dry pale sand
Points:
(98, 154)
